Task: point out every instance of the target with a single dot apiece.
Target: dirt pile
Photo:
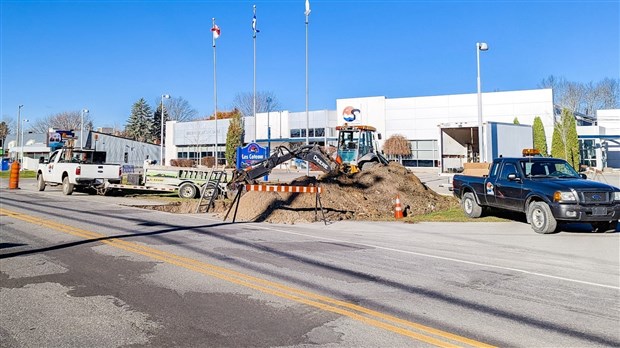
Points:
(367, 195)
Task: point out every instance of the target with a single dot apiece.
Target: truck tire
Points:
(40, 182)
(67, 187)
(604, 226)
(471, 208)
(187, 190)
(541, 219)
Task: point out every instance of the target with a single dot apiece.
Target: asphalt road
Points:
(90, 271)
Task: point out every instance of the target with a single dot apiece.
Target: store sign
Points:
(250, 154)
(58, 138)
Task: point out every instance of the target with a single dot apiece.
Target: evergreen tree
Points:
(565, 143)
(516, 121)
(572, 141)
(140, 122)
(234, 137)
(156, 129)
(539, 136)
(557, 142)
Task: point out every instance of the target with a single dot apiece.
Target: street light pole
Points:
(19, 111)
(161, 130)
(480, 46)
(269, 100)
(84, 111)
(307, 13)
(22, 146)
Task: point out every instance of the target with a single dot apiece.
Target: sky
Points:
(59, 56)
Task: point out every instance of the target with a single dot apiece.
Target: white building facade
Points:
(419, 119)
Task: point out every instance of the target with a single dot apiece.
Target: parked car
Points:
(76, 169)
(548, 190)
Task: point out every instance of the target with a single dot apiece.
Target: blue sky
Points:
(104, 55)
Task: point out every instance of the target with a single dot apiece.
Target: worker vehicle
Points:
(186, 181)
(310, 153)
(76, 169)
(548, 190)
(357, 148)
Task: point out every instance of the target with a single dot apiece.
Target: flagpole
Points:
(215, 97)
(254, 95)
(307, 13)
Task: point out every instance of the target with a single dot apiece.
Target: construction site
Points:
(366, 195)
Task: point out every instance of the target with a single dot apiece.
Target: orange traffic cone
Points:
(398, 210)
(14, 176)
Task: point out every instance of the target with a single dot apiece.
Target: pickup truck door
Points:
(49, 173)
(508, 193)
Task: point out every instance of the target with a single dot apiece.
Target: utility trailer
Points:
(459, 143)
(186, 180)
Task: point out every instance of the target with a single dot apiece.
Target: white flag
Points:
(307, 8)
(216, 31)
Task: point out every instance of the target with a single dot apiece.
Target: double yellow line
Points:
(377, 319)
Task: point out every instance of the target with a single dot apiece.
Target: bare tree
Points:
(179, 109)
(67, 120)
(10, 122)
(584, 98)
(265, 101)
(397, 145)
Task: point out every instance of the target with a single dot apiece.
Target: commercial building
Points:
(418, 119)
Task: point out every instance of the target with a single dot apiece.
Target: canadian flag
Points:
(216, 31)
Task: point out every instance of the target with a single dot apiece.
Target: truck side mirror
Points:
(513, 177)
(41, 159)
(379, 136)
(583, 176)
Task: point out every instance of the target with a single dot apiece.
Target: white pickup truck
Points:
(76, 169)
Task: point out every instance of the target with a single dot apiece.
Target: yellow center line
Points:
(373, 318)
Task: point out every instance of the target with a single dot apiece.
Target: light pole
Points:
(307, 13)
(480, 46)
(161, 131)
(269, 100)
(19, 111)
(22, 146)
(84, 111)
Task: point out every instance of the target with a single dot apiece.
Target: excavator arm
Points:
(310, 153)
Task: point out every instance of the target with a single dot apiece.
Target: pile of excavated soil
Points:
(367, 195)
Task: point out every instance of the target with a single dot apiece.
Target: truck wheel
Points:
(40, 182)
(604, 226)
(187, 190)
(541, 219)
(67, 187)
(470, 206)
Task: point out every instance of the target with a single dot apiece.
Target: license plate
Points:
(599, 211)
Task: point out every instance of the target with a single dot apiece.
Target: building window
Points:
(424, 153)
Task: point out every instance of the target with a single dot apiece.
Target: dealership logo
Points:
(349, 114)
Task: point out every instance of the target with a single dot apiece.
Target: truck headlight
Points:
(560, 196)
(617, 196)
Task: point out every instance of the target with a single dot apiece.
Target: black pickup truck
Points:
(547, 190)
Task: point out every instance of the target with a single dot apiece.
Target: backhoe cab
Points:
(357, 148)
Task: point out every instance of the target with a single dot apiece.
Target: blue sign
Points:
(250, 154)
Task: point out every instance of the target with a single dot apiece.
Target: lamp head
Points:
(483, 46)
(85, 111)
(167, 96)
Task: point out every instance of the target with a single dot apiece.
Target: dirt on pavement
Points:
(366, 195)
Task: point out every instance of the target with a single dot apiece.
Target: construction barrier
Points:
(283, 188)
(279, 188)
(14, 176)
